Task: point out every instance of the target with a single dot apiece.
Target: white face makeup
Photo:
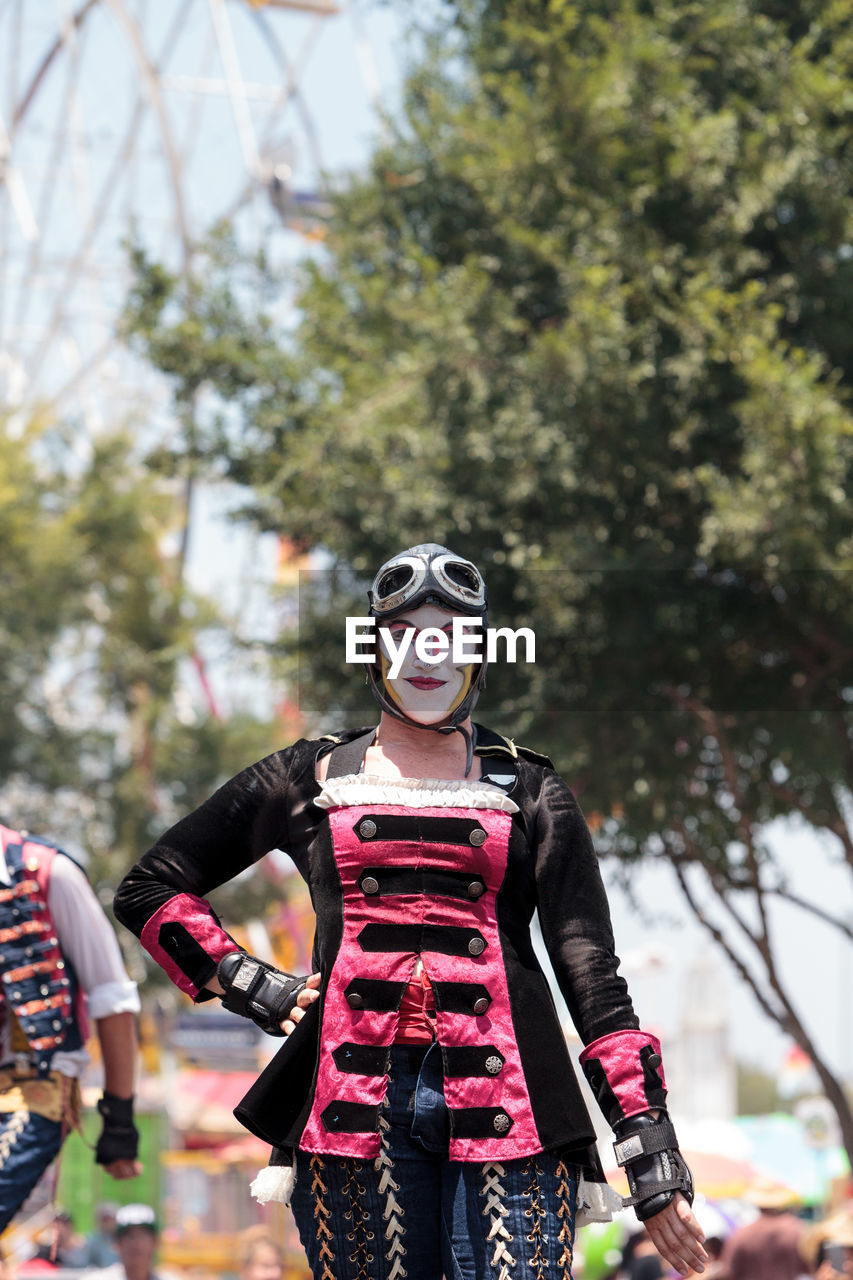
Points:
(426, 692)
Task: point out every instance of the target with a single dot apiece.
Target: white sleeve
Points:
(87, 939)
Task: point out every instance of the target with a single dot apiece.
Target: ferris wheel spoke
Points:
(237, 98)
(128, 117)
(94, 221)
(32, 271)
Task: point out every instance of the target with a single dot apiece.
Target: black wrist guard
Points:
(648, 1150)
(258, 991)
(119, 1139)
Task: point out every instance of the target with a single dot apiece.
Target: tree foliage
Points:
(585, 319)
(96, 748)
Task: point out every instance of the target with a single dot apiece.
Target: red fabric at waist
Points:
(417, 1012)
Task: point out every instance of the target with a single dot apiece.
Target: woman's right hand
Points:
(678, 1237)
(306, 997)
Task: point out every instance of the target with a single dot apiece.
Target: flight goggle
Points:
(410, 579)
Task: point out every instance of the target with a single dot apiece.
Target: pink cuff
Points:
(181, 936)
(625, 1072)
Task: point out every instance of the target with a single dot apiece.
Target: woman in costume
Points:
(424, 1098)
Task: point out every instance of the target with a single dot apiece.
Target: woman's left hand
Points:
(307, 996)
(677, 1236)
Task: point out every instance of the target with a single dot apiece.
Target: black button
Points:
(655, 1059)
(481, 1005)
(355, 1000)
(476, 889)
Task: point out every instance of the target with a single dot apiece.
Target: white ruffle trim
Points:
(597, 1202)
(275, 1183)
(416, 793)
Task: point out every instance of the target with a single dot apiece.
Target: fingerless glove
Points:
(258, 991)
(119, 1138)
(647, 1148)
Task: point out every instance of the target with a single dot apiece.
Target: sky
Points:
(815, 962)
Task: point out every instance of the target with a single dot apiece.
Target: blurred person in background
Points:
(136, 1239)
(58, 1247)
(259, 1256)
(60, 964)
(641, 1260)
(715, 1267)
(99, 1249)
(828, 1247)
(425, 1099)
(769, 1247)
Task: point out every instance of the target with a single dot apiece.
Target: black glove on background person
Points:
(119, 1138)
(258, 991)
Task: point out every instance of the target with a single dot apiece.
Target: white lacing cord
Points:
(495, 1195)
(392, 1211)
(12, 1133)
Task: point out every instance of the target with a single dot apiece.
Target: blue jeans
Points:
(414, 1213)
(28, 1143)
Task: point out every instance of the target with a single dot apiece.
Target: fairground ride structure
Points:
(135, 121)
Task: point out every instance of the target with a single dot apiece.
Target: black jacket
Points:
(550, 866)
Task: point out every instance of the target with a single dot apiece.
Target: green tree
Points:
(95, 748)
(757, 1092)
(585, 318)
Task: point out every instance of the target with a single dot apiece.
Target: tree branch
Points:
(787, 896)
(724, 944)
(838, 827)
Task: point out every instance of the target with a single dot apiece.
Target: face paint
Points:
(427, 692)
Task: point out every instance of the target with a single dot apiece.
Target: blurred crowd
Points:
(776, 1244)
(124, 1246)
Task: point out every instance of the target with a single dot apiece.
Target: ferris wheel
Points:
(142, 121)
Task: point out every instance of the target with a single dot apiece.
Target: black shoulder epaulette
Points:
(337, 739)
(535, 757)
(343, 735)
(491, 744)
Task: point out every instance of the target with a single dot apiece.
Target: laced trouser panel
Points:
(413, 1214)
